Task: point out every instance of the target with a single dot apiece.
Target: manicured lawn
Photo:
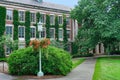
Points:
(107, 69)
(77, 62)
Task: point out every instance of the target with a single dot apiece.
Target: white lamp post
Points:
(40, 73)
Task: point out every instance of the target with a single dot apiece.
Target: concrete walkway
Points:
(82, 72)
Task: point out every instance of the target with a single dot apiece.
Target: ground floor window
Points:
(32, 32)
(21, 32)
(8, 50)
(52, 33)
(9, 30)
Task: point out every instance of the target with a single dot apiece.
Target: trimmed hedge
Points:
(54, 61)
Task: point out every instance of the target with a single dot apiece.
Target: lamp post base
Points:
(40, 74)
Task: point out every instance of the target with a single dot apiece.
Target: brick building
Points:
(43, 8)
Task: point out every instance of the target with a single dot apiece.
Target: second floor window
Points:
(67, 20)
(9, 15)
(21, 32)
(60, 20)
(32, 31)
(42, 18)
(52, 19)
(21, 16)
(32, 17)
(9, 30)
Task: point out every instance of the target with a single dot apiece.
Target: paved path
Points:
(6, 77)
(82, 72)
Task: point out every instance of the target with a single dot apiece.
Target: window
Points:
(52, 33)
(43, 18)
(32, 17)
(60, 19)
(43, 33)
(9, 15)
(21, 15)
(9, 30)
(21, 32)
(8, 50)
(60, 33)
(68, 34)
(32, 32)
(52, 19)
(68, 20)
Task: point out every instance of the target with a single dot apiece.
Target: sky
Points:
(69, 3)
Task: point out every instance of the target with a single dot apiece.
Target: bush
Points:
(83, 55)
(54, 61)
(115, 53)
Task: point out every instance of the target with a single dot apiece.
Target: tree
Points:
(100, 23)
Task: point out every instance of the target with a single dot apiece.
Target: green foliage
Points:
(3, 59)
(38, 18)
(99, 21)
(83, 55)
(27, 27)
(74, 48)
(47, 26)
(56, 28)
(15, 23)
(65, 38)
(107, 68)
(54, 61)
(77, 62)
(2, 28)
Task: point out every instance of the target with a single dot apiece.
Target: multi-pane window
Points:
(21, 15)
(9, 15)
(60, 33)
(32, 32)
(43, 33)
(21, 32)
(9, 30)
(68, 34)
(21, 45)
(42, 18)
(67, 20)
(32, 17)
(60, 20)
(8, 50)
(52, 19)
(52, 33)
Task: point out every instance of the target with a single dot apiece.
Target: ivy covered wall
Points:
(56, 28)
(2, 28)
(27, 28)
(47, 26)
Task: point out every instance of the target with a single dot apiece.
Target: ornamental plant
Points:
(37, 43)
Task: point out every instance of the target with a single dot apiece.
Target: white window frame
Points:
(45, 32)
(21, 43)
(70, 34)
(7, 53)
(44, 18)
(21, 39)
(23, 16)
(54, 34)
(10, 15)
(31, 38)
(33, 21)
(69, 20)
(58, 19)
(53, 21)
(61, 39)
(12, 29)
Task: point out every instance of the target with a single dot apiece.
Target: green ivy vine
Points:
(47, 26)
(2, 28)
(56, 28)
(27, 27)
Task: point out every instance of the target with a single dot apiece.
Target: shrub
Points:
(54, 61)
(83, 55)
(115, 53)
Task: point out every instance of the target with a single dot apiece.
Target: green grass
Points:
(77, 62)
(107, 68)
